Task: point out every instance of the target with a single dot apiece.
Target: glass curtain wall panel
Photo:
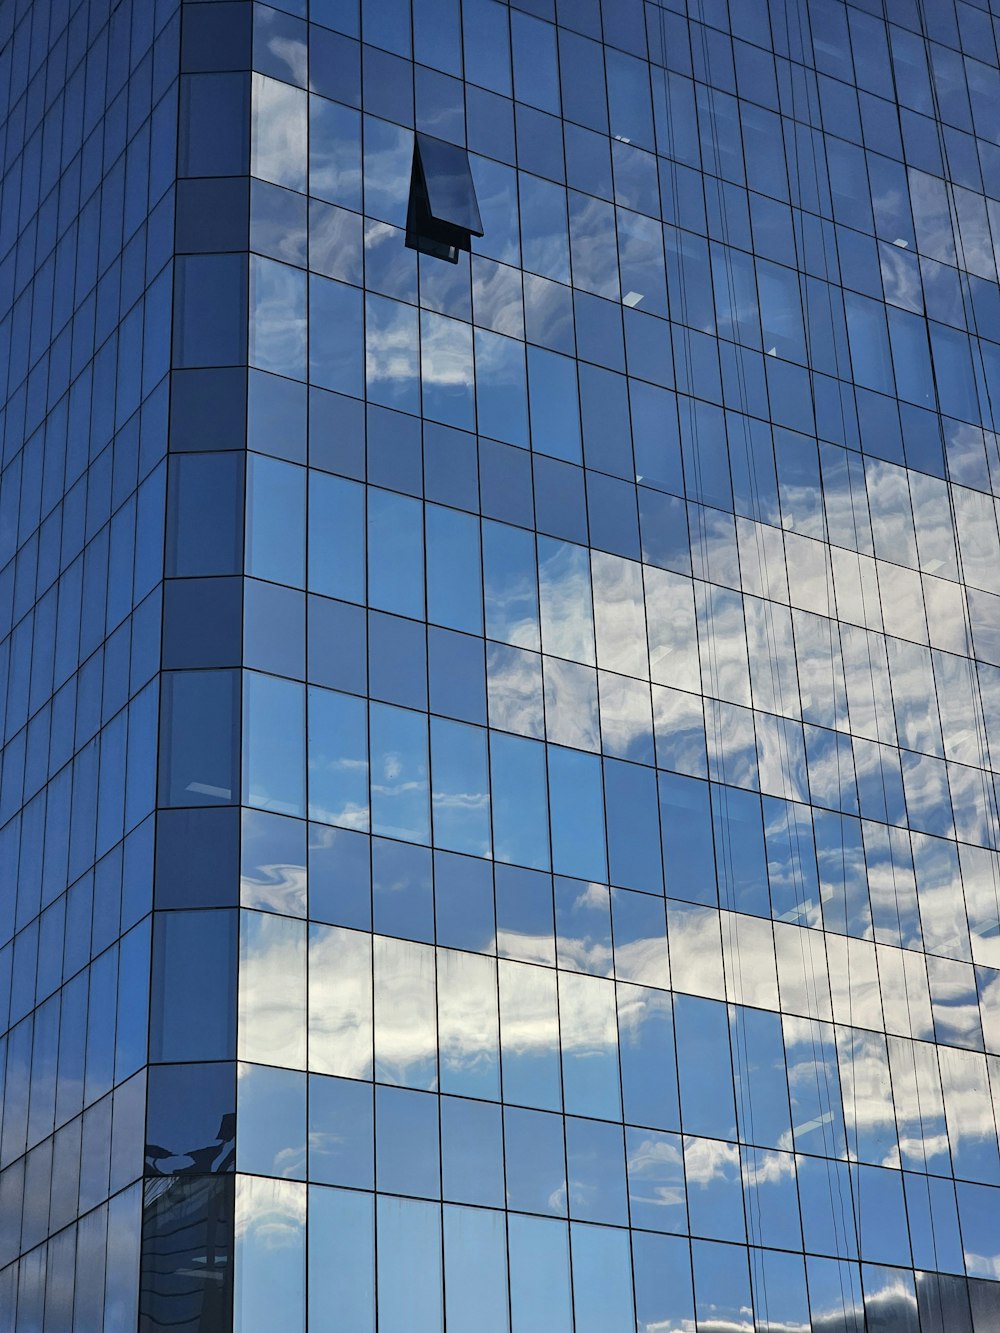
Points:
(500, 666)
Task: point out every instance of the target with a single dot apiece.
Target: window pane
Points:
(461, 798)
(270, 1255)
(400, 804)
(338, 759)
(274, 744)
(199, 736)
(278, 134)
(272, 1026)
(342, 1257)
(277, 318)
(275, 531)
(409, 1267)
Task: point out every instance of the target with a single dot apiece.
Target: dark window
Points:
(443, 215)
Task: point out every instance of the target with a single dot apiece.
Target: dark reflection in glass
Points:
(191, 1119)
(205, 529)
(222, 102)
(196, 858)
(985, 1299)
(208, 409)
(944, 1304)
(199, 735)
(187, 1245)
(201, 622)
(193, 1013)
(890, 1300)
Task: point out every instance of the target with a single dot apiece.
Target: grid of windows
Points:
(703, 625)
(89, 122)
(577, 849)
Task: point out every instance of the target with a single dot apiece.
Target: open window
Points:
(443, 214)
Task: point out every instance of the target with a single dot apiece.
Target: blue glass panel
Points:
(576, 807)
(475, 1259)
(460, 798)
(336, 537)
(685, 818)
(602, 1280)
(648, 1062)
(409, 1271)
(721, 1282)
(400, 797)
(539, 1275)
(338, 759)
(273, 768)
(472, 1168)
(662, 1275)
(454, 590)
(705, 1070)
(342, 1256)
(630, 796)
(520, 826)
(271, 1106)
(340, 1132)
(395, 554)
(535, 1160)
(501, 388)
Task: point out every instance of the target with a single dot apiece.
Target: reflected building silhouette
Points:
(187, 1263)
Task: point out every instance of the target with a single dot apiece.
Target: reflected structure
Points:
(500, 666)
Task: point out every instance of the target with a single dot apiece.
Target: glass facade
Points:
(498, 811)
(88, 98)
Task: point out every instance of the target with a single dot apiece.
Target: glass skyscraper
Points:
(500, 666)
